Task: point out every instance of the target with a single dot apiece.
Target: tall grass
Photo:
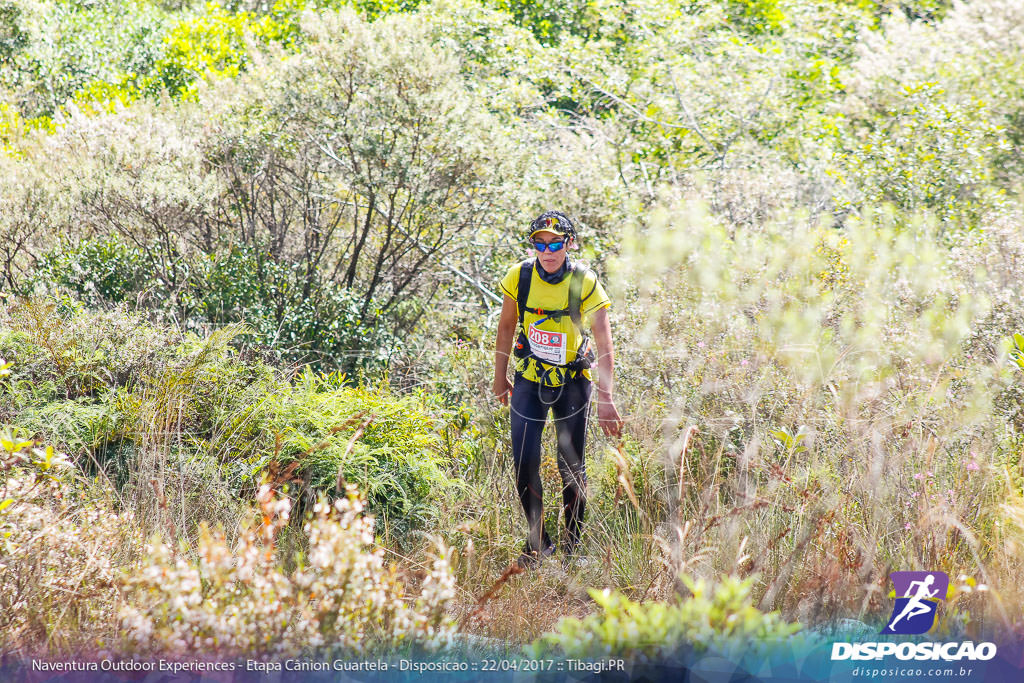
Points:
(771, 435)
(808, 407)
(845, 396)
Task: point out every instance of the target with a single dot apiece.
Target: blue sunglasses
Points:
(548, 246)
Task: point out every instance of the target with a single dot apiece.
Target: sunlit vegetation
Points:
(248, 257)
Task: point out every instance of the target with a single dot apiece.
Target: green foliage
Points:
(65, 353)
(274, 182)
(912, 153)
(806, 212)
(97, 272)
(389, 446)
(374, 9)
(816, 81)
(85, 426)
(210, 45)
(790, 443)
(299, 319)
(11, 126)
(922, 10)
(1016, 354)
(295, 318)
(756, 16)
(213, 45)
(42, 461)
(65, 46)
(12, 34)
(110, 391)
(102, 53)
(553, 20)
(720, 617)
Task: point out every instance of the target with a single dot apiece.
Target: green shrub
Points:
(912, 154)
(206, 419)
(756, 16)
(387, 445)
(62, 47)
(155, 50)
(717, 617)
(293, 318)
(213, 44)
(98, 272)
(12, 34)
(550, 20)
(82, 425)
(63, 351)
(298, 319)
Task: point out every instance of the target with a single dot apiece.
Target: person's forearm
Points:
(606, 373)
(605, 356)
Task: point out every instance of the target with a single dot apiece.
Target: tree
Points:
(363, 158)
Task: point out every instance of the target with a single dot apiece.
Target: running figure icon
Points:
(916, 606)
(917, 597)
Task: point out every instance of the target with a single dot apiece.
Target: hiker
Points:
(552, 299)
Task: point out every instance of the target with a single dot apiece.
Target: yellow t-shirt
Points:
(551, 340)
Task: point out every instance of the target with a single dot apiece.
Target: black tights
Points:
(570, 404)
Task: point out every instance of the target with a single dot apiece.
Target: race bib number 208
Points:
(547, 346)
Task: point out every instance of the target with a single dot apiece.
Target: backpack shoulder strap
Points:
(523, 291)
(575, 292)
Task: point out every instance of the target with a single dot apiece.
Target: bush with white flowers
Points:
(342, 596)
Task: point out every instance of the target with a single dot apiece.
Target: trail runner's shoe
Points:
(530, 559)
